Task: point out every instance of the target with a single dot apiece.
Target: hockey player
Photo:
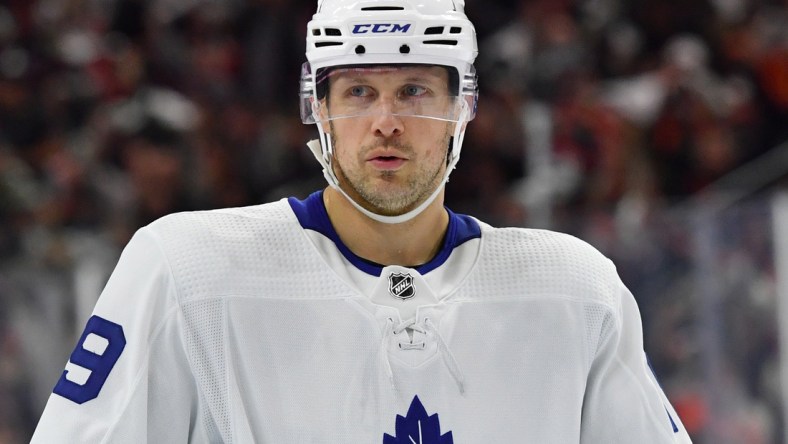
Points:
(368, 312)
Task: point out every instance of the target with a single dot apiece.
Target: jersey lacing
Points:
(426, 327)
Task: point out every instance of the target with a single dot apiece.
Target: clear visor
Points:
(374, 90)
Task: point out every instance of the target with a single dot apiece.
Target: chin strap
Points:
(324, 155)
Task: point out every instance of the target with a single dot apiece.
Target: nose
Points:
(385, 122)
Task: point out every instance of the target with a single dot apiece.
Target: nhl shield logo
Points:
(401, 286)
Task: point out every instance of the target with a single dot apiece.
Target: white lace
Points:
(427, 325)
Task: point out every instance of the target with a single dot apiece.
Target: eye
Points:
(414, 91)
(359, 91)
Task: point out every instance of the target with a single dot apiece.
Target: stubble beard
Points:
(392, 197)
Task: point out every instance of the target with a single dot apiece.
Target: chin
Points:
(391, 209)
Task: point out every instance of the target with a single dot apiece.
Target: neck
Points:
(414, 242)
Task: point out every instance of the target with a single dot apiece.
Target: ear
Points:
(320, 108)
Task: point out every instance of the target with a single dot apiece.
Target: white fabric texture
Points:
(242, 327)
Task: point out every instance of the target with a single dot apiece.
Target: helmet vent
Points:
(383, 8)
(455, 30)
(333, 31)
(441, 42)
(322, 44)
(434, 30)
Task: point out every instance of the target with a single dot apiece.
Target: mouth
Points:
(387, 162)
(386, 158)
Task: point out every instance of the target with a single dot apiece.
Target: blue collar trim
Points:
(312, 215)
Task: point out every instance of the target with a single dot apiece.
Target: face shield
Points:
(353, 91)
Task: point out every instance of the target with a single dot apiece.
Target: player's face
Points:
(385, 159)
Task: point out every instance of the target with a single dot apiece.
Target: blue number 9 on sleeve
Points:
(99, 364)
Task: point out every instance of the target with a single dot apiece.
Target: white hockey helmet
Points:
(344, 34)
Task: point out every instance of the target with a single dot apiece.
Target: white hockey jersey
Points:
(257, 325)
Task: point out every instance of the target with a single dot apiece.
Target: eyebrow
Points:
(343, 83)
(358, 79)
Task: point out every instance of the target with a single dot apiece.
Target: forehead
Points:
(389, 74)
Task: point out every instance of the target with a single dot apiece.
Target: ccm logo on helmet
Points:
(381, 28)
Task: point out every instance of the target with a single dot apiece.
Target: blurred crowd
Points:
(596, 117)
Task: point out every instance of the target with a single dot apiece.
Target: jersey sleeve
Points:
(624, 402)
(128, 379)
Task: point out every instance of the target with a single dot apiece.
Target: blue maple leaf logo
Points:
(418, 428)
